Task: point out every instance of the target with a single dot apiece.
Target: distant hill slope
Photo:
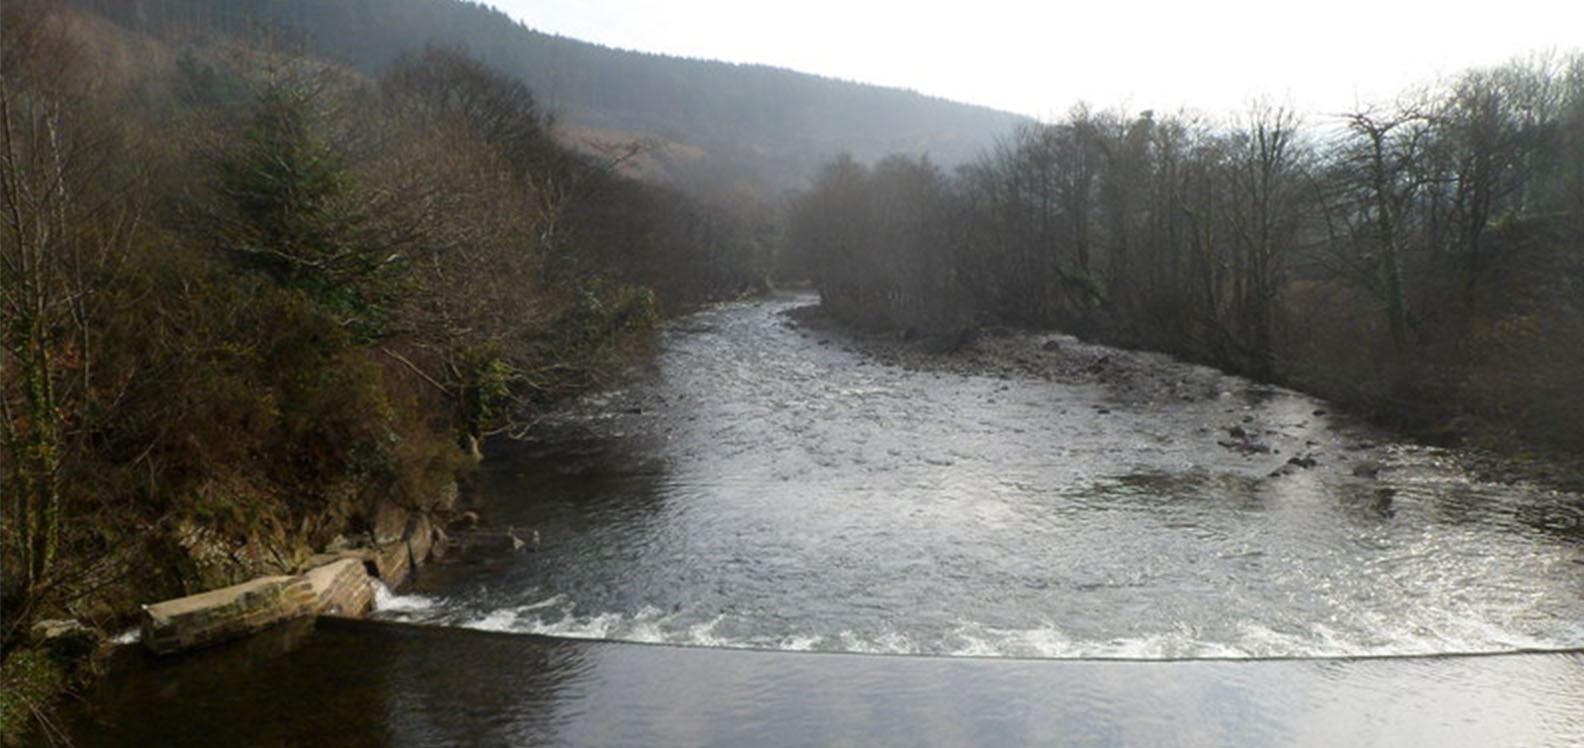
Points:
(719, 123)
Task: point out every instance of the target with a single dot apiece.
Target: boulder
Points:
(485, 544)
(394, 559)
(420, 538)
(1367, 469)
(340, 588)
(390, 522)
(341, 543)
(1246, 447)
(448, 495)
(67, 639)
(393, 562)
(463, 522)
(439, 543)
(56, 628)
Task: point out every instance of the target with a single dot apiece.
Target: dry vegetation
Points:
(248, 294)
(1422, 260)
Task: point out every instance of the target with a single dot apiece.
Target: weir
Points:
(372, 683)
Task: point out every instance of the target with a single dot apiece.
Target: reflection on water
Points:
(356, 684)
(762, 487)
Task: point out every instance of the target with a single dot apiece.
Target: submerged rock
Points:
(1246, 446)
(480, 545)
(56, 628)
(1367, 469)
(464, 522)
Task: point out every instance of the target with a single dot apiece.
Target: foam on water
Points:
(557, 616)
(386, 601)
(761, 490)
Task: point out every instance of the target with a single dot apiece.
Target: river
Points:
(1080, 563)
(767, 486)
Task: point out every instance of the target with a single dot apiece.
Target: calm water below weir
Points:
(365, 685)
(767, 487)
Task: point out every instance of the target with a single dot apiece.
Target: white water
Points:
(764, 489)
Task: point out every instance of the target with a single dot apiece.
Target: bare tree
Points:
(1386, 148)
(1262, 213)
(67, 215)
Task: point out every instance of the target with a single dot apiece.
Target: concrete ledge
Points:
(217, 615)
(341, 587)
(338, 582)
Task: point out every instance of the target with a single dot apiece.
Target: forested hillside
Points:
(1422, 259)
(254, 300)
(720, 125)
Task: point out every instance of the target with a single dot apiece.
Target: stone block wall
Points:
(337, 583)
(217, 615)
(341, 587)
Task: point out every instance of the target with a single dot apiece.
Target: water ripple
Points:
(759, 489)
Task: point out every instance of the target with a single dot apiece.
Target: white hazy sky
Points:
(1041, 58)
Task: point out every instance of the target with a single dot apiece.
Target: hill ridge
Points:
(764, 124)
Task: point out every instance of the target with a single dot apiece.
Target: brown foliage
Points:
(1421, 263)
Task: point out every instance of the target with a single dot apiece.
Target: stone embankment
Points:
(338, 582)
(342, 587)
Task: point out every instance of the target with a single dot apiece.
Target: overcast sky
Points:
(1041, 58)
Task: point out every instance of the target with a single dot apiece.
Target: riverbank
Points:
(242, 332)
(1132, 377)
(234, 590)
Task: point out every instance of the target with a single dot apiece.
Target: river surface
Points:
(363, 685)
(764, 485)
(1082, 563)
